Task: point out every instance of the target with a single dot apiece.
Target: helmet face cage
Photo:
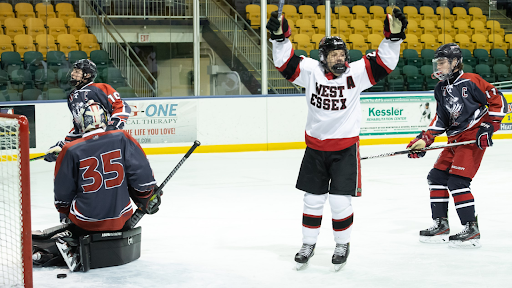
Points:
(88, 67)
(93, 116)
(447, 52)
(328, 44)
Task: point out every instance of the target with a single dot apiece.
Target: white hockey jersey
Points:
(334, 110)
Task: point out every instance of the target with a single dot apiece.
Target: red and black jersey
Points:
(93, 176)
(465, 103)
(101, 93)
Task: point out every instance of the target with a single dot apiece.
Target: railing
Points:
(145, 9)
(137, 74)
(245, 44)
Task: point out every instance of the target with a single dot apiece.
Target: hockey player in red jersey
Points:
(331, 165)
(82, 77)
(468, 108)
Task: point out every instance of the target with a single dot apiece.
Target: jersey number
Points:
(114, 96)
(92, 165)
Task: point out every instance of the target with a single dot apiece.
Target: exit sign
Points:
(144, 37)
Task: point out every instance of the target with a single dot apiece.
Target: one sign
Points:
(144, 37)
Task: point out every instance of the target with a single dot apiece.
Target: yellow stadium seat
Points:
(290, 12)
(413, 28)
(429, 27)
(340, 27)
(45, 43)
(428, 13)
(308, 12)
(374, 40)
(67, 42)
(5, 44)
(294, 29)
(5, 12)
(412, 42)
(24, 43)
(13, 27)
(444, 13)
(361, 13)
(376, 26)
(462, 27)
(253, 13)
(35, 26)
(343, 13)
(358, 43)
(320, 9)
(305, 27)
(377, 13)
(464, 42)
(24, 11)
(56, 27)
(476, 14)
(481, 42)
(494, 27)
(497, 42)
(479, 27)
(412, 13)
(303, 42)
(77, 27)
(315, 39)
(88, 43)
(444, 38)
(359, 27)
(461, 14)
(271, 8)
(45, 10)
(508, 39)
(65, 11)
(429, 41)
(446, 27)
(319, 26)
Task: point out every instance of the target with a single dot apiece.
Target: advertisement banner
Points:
(506, 123)
(396, 114)
(162, 121)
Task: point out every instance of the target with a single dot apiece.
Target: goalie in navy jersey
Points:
(331, 165)
(81, 77)
(468, 108)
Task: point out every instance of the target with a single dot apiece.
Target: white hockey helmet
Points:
(93, 116)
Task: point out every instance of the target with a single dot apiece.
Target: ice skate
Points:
(340, 255)
(302, 257)
(469, 237)
(69, 254)
(436, 234)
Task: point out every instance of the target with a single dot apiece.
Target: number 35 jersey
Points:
(93, 175)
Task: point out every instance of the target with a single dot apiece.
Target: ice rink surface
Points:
(234, 220)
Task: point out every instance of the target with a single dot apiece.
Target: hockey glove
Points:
(484, 135)
(147, 201)
(394, 25)
(114, 124)
(279, 29)
(53, 153)
(421, 141)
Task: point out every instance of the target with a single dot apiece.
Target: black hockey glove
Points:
(484, 135)
(394, 25)
(114, 124)
(279, 29)
(149, 204)
(53, 153)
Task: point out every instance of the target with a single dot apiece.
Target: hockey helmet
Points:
(93, 116)
(447, 52)
(328, 44)
(88, 69)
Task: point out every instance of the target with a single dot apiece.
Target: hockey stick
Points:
(37, 158)
(130, 224)
(424, 149)
(280, 9)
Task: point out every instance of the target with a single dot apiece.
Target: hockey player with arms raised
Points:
(331, 164)
(468, 108)
(81, 77)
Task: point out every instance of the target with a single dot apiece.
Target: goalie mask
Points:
(84, 71)
(333, 62)
(93, 116)
(447, 58)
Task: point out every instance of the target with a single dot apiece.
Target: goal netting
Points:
(15, 231)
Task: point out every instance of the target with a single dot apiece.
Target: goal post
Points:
(15, 221)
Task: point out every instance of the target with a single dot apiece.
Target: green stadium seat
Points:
(56, 94)
(468, 59)
(500, 57)
(76, 55)
(355, 55)
(483, 57)
(427, 71)
(395, 81)
(427, 55)
(485, 72)
(502, 73)
(31, 94)
(314, 54)
(411, 57)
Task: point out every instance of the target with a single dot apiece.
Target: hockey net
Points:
(15, 231)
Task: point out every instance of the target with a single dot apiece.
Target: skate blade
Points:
(438, 239)
(469, 244)
(337, 267)
(301, 266)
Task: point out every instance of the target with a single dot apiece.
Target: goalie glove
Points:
(277, 26)
(394, 25)
(484, 135)
(114, 124)
(53, 153)
(421, 141)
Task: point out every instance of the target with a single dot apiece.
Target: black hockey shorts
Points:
(335, 172)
